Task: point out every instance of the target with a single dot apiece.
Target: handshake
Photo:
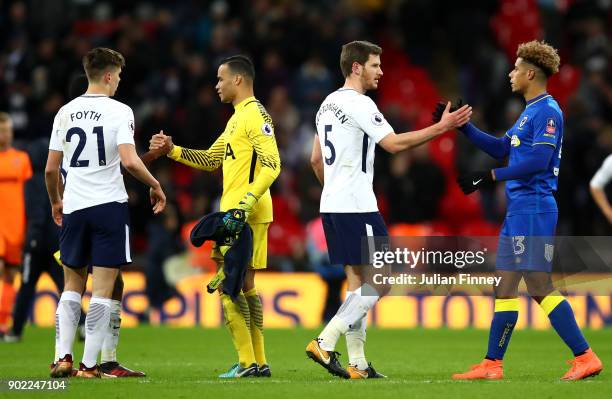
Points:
(471, 181)
(436, 116)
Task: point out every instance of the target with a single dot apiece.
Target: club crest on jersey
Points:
(266, 129)
(549, 251)
(378, 119)
(550, 126)
(515, 141)
(523, 121)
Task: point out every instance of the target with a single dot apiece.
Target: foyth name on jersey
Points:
(93, 115)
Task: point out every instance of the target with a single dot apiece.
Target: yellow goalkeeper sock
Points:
(238, 329)
(256, 311)
(244, 309)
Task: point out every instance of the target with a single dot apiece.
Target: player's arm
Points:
(52, 177)
(208, 160)
(497, 147)
(316, 160)
(261, 137)
(134, 165)
(534, 161)
(394, 143)
(597, 184)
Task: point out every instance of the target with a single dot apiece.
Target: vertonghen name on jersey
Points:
(335, 110)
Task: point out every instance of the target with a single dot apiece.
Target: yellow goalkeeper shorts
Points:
(260, 247)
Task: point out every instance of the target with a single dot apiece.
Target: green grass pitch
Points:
(184, 363)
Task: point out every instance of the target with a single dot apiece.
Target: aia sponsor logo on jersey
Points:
(550, 126)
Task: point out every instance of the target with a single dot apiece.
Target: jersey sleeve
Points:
(125, 130)
(54, 142)
(603, 175)
(260, 132)
(209, 159)
(546, 127)
(371, 120)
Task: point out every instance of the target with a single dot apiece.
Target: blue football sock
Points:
(563, 320)
(504, 320)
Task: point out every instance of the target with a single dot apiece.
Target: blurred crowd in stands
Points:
(432, 51)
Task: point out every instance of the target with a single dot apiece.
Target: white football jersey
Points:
(349, 126)
(603, 175)
(88, 131)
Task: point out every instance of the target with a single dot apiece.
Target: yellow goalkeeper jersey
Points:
(247, 152)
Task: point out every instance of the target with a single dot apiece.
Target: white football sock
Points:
(331, 333)
(355, 341)
(109, 346)
(97, 324)
(66, 322)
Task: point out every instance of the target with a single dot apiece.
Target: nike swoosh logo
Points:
(476, 182)
(240, 374)
(322, 356)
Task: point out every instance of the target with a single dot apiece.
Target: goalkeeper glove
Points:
(473, 181)
(235, 219)
(441, 106)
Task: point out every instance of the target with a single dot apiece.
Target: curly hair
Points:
(540, 54)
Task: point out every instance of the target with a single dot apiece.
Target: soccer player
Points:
(248, 154)
(598, 183)
(526, 244)
(109, 366)
(349, 125)
(15, 170)
(93, 134)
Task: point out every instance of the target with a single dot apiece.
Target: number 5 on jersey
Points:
(328, 144)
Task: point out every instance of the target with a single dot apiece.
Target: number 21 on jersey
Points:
(75, 162)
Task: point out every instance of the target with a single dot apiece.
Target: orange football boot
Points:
(583, 366)
(485, 370)
(88, 372)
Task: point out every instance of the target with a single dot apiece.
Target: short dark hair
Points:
(357, 51)
(97, 61)
(240, 64)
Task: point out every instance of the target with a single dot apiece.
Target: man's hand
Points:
(473, 181)
(160, 144)
(440, 106)
(235, 219)
(452, 120)
(57, 211)
(158, 199)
